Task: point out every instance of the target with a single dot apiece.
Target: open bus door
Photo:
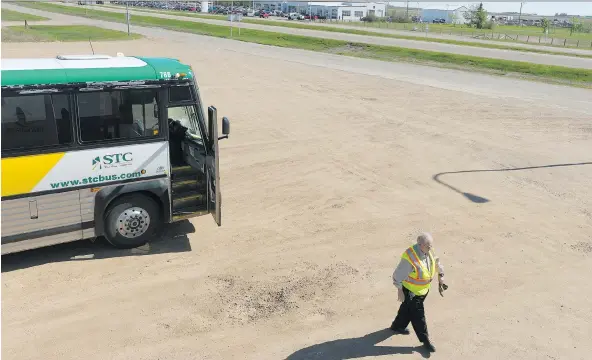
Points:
(213, 164)
(195, 180)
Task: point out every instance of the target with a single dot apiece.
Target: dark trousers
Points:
(411, 310)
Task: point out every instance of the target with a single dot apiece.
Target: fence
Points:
(583, 42)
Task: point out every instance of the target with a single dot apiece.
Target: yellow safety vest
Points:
(418, 282)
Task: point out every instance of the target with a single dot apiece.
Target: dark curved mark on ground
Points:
(480, 200)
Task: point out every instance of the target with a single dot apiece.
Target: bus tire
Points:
(132, 221)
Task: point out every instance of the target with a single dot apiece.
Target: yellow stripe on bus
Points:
(21, 174)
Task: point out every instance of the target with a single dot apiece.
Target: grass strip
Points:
(513, 30)
(295, 25)
(581, 77)
(46, 33)
(9, 15)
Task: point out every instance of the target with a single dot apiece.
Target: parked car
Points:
(295, 16)
(439, 21)
(263, 14)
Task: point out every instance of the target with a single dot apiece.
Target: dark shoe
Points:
(400, 331)
(429, 346)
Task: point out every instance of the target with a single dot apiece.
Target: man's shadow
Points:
(356, 348)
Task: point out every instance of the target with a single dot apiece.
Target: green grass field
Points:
(44, 33)
(512, 30)
(581, 77)
(298, 25)
(9, 15)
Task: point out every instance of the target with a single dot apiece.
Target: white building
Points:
(332, 10)
(454, 16)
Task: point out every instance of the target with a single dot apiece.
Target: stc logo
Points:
(112, 160)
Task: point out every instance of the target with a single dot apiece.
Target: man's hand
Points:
(401, 295)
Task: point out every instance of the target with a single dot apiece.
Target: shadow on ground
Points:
(479, 199)
(355, 348)
(173, 240)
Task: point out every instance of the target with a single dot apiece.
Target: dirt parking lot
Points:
(327, 176)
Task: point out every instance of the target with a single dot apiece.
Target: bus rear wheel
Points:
(132, 221)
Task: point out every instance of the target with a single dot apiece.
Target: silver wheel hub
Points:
(133, 222)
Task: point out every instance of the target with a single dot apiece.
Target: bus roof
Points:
(89, 68)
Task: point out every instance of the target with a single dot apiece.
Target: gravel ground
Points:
(327, 177)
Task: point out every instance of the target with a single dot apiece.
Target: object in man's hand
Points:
(441, 288)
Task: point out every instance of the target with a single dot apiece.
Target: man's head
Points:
(425, 241)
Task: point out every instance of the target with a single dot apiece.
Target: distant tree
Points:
(545, 24)
(370, 18)
(453, 18)
(400, 19)
(576, 26)
(478, 16)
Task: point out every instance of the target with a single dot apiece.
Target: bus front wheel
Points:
(132, 221)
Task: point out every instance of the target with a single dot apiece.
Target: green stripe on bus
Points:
(156, 68)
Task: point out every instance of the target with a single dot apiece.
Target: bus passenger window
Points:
(35, 121)
(119, 114)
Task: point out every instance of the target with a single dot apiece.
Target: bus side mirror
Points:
(225, 128)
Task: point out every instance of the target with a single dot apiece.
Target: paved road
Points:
(544, 59)
(567, 98)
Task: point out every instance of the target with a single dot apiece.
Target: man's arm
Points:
(401, 273)
(440, 269)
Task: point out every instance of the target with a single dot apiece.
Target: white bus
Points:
(104, 146)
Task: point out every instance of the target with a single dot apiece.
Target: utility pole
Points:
(520, 15)
(127, 17)
(407, 13)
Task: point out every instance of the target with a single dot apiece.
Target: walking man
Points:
(413, 277)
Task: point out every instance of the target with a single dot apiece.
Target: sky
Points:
(539, 7)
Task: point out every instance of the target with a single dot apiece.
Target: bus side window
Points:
(143, 105)
(118, 114)
(35, 121)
